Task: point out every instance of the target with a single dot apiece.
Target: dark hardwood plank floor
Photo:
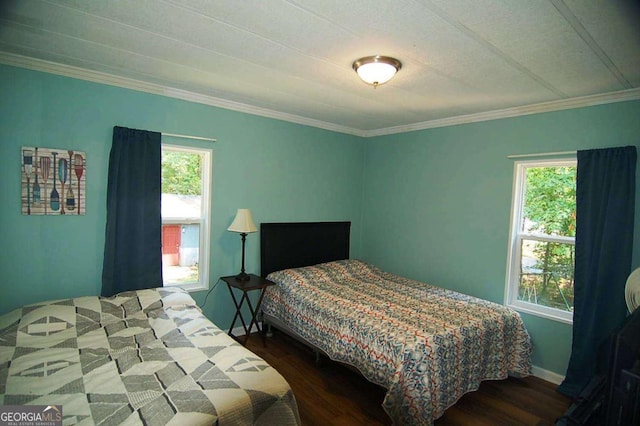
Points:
(331, 394)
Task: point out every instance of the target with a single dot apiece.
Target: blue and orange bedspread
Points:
(426, 345)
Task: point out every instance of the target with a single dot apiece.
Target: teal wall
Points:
(431, 205)
(437, 202)
(281, 171)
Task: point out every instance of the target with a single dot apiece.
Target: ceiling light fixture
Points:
(376, 70)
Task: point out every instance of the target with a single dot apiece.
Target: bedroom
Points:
(407, 217)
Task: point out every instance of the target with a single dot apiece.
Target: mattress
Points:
(145, 357)
(426, 345)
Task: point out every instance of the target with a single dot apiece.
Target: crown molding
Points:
(571, 103)
(141, 86)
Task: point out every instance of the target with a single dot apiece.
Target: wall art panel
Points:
(53, 181)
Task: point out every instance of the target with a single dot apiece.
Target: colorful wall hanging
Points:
(53, 181)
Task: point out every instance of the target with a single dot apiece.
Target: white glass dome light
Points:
(376, 70)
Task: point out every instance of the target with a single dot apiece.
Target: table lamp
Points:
(243, 224)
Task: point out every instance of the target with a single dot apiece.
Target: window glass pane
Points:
(550, 201)
(546, 276)
(181, 172)
(185, 214)
(180, 253)
(181, 206)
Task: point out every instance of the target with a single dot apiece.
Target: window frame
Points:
(204, 221)
(514, 254)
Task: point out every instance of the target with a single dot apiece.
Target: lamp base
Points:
(243, 276)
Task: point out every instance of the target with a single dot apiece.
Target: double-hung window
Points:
(186, 188)
(541, 254)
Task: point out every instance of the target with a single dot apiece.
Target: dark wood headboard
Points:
(296, 244)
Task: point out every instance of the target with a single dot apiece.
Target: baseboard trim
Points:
(547, 375)
(239, 331)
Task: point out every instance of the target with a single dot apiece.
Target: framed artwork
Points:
(53, 181)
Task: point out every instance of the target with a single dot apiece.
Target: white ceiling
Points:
(291, 59)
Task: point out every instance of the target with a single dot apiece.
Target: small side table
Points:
(254, 283)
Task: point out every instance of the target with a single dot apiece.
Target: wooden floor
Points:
(331, 394)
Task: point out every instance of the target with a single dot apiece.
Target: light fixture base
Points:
(376, 70)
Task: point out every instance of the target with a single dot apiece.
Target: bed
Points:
(142, 357)
(425, 345)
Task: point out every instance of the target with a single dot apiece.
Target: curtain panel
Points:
(605, 211)
(133, 235)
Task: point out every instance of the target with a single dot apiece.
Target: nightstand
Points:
(254, 283)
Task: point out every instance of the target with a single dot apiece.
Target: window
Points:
(542, 242)
(186, 185)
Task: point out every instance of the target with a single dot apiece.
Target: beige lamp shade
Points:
(243, 223)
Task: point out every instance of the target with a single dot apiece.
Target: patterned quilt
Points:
(427, 346)
(147, 357)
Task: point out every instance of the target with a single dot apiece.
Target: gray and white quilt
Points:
(146, 357)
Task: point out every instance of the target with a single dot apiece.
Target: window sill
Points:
(542, 312)
(190, 287)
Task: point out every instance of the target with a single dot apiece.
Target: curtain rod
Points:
(200, 138)
(542, 154)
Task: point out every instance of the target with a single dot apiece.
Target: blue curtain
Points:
(605, 200)
(133, 236)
